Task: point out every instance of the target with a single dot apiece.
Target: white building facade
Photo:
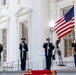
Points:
(30, 19)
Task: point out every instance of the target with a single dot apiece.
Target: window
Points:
(68, 39)
(25, 33)
(4, 45)
(4, 2)
(25, 30)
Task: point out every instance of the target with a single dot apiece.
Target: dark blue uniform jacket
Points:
(26, 49)
(51, 47)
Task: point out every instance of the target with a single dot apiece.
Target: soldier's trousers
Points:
(23, 64)
(75, 60)
(48, 62)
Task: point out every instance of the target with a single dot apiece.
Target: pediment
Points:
(3, 17)
(22, 10)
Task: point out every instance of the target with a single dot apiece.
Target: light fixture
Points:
(51, 25)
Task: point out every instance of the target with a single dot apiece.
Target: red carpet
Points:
(37, 74)
(41, 72)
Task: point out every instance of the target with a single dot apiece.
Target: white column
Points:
(40, 31)
(44, 23)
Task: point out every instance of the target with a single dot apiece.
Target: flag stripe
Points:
(62, 35)
(62, 23)
(63, 30)
(61, 27)
(58, 24)
(72, 23)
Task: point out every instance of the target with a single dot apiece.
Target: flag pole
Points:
(74, 15)
(75, 22)
(74, 19)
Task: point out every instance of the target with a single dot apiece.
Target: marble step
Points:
(12, 72)
(66, 72)
(62, 67)
(59, 72)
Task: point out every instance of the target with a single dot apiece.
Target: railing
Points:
(15, 65)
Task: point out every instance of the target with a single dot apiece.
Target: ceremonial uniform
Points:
(48, 54)
(23, 49)
(1, 49)
(74, 45)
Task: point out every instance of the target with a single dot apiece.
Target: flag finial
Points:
(73, 2)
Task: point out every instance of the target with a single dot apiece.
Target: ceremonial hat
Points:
(48, 38)
(23, 39)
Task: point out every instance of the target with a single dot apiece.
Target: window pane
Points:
(4, 45)
(25, 30)
(4, 2)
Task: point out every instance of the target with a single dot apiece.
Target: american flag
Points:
(64, 25)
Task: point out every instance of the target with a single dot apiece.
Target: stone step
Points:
(59, 72)
(13, 72)
(66, 72)
(62, 67)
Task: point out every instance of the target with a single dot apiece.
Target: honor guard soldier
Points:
(74, 45)
(1, 49)
(23, 49)
(48, 53)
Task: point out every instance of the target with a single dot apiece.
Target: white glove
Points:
(48, 47)
(23, 49)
